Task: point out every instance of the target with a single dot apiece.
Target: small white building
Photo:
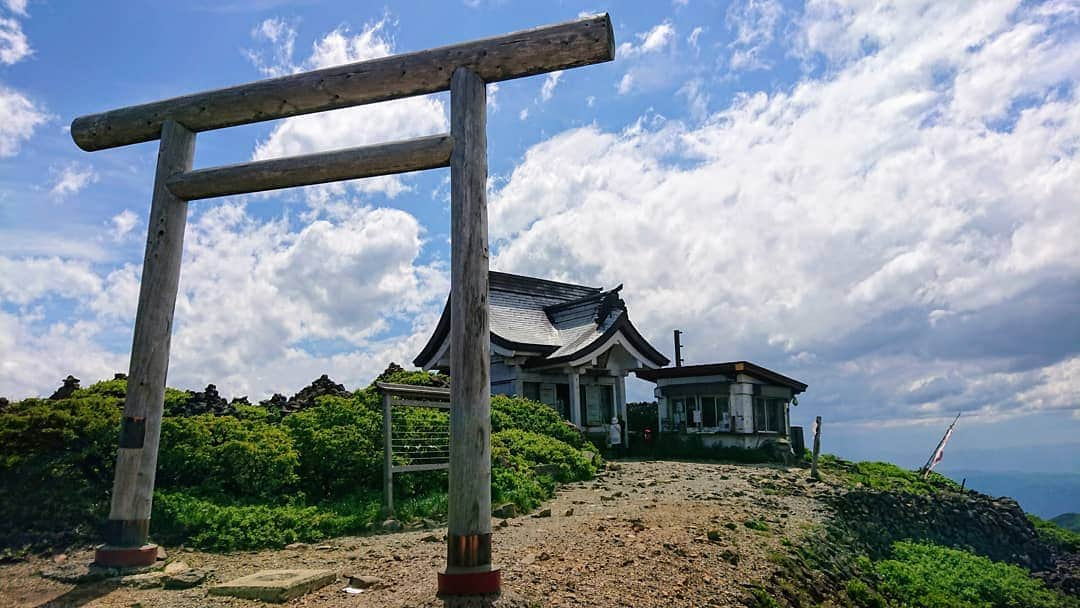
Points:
(568, 346)
(735, 404)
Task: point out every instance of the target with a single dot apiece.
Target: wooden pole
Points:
(468, 558)
(817, 448)
(549, 48)
(388, 456)
(417, 154)
(128, 525)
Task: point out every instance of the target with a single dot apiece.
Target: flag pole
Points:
(937, 449)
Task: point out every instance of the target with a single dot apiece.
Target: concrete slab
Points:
(275, 585)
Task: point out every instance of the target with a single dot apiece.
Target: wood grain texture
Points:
(544, 49)
(133, 486)
(334, 166)
(470, 330)
(817, 448)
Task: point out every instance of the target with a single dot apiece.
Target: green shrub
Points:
(930, 576)
(222, 456)
(56, 465)
(117, 387)
(1054, 535)
(251, 480)
(757, 525)
(340, 446)
(526, 415)
(885, 476)
(569, 463)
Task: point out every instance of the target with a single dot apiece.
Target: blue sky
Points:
(878, 200)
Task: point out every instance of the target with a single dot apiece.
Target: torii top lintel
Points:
(548, 48)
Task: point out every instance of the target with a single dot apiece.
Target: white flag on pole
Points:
(940, 450)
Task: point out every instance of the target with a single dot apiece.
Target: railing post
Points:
(388, 457)
(468, 557)
(128, 526)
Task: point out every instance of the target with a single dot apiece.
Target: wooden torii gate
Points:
(463, 69)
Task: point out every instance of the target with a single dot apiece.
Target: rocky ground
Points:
(644, 534)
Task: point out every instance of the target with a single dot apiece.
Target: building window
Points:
(769, 415)
(708, 411)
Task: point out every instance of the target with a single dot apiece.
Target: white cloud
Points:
(281, 36)
(697, 98)
(523, 114)
(659, 37)
(753, 22)
(123, 223)
(651, 60)
(27, 280)
(550, 83)
(340, 281)
(695, 34)
(492, 99)
(857, 230)
(388, 121)
(14, 46)
(16, 6)
(261, 308)
(21, 117)
(71, 179)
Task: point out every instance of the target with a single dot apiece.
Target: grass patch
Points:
(923, 575)
(1054, 535)
(756, 524)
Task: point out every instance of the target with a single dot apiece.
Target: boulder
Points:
(506, 510)
(184, 580)
(71, 384)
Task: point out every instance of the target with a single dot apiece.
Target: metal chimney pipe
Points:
(678, 348)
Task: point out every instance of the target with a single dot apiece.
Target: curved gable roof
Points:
(548, 320)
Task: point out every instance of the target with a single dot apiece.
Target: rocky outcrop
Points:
(306, 398)
(71, 384)
(208, 401)
(993, 527)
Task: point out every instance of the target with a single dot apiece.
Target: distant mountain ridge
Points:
(1069, 521)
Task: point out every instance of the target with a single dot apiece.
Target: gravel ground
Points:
(647, 533)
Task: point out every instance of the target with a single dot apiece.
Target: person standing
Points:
(615, 436)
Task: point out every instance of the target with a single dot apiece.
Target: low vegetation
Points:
(1055, 535)
(923, 575)
(898, 540)
(255, 478)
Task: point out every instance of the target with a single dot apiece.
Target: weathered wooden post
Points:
(136, 462)
(468, 554)
(817, 448)
(464, 69)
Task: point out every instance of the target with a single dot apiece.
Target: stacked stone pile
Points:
(994, 527)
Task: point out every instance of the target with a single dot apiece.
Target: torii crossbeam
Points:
(463, 69)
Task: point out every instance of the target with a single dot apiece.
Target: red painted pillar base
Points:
(470, 581)
(109, 556)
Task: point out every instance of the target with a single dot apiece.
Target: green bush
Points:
(56, 465)
(1054, 535)
(254, 479)
(569, 463)
(340, 445)
(526, 415)
(222, 456)
(930, 576)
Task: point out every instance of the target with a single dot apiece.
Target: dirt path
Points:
(647, 534)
